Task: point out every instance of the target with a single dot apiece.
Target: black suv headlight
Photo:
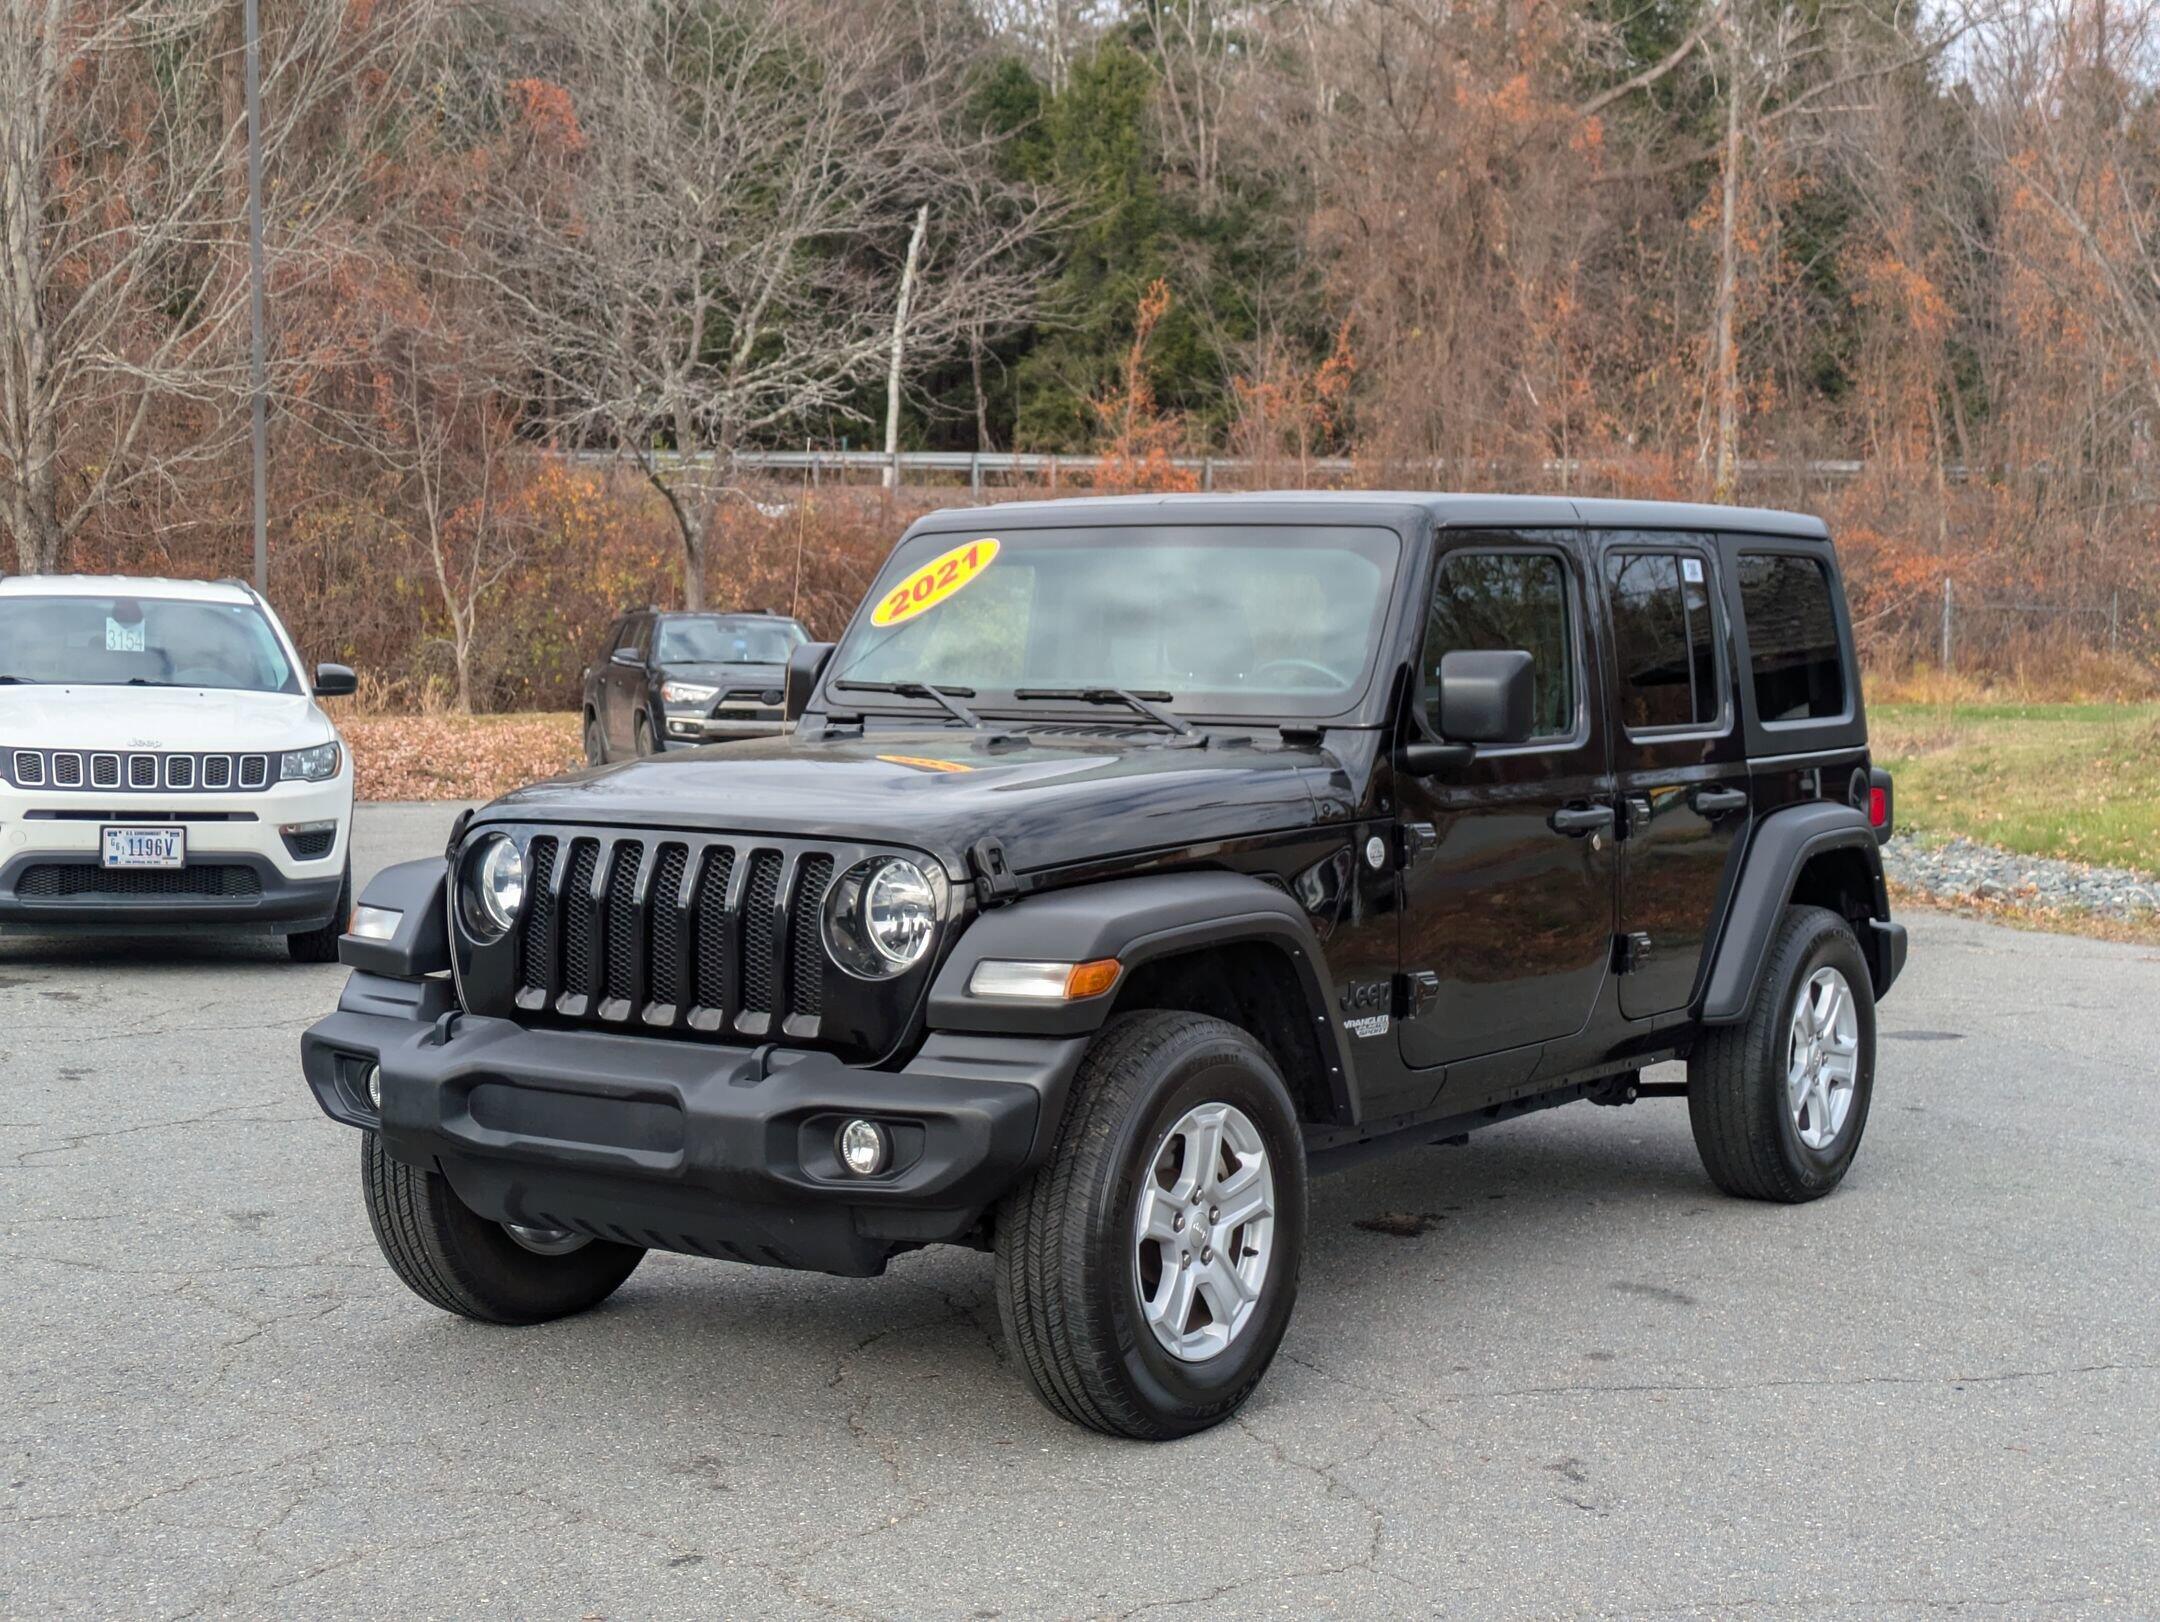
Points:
(491, 885)
(881, 916)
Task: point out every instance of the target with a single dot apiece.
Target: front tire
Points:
(1146, 1272)
(646, 745)
(457, 1260)
(595, 741)
(1779, 1101)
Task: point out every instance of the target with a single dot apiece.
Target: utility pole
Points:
(258, 366)
(899, 337)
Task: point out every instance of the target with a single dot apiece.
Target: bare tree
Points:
(122, 284)
(722, 255)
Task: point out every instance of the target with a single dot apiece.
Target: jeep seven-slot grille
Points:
(158, 772)
(703, 938)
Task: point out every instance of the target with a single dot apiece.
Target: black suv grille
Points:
(687, 934)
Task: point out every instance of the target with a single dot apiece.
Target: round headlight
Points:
(881, 917)
(495, 885)
(899, 912)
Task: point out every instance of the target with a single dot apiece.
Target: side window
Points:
(618, 635)
(1792, 637)
(1502, 600)
(640, 637)
(1664, 647)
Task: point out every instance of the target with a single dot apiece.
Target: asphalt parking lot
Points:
(1551, 1372)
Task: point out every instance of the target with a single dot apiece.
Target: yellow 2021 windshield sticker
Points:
(935, 581)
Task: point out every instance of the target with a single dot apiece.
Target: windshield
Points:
(727, 642)
(144, 641)
(1232, 620)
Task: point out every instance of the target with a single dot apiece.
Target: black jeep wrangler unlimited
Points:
(1132, 859)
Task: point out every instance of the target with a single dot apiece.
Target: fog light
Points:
(865, 1147)
(372, 1081)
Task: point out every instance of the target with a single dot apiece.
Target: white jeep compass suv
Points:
(164, 765)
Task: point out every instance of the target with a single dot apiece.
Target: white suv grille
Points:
(140, 773)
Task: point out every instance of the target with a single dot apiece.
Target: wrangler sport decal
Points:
(935, 581)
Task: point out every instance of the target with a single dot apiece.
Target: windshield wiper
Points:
(12, 681)
(950, 697)
(1147, 704)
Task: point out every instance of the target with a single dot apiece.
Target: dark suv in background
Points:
(674, 680)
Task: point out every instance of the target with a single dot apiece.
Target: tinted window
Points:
(721, 641)
(1663, 646)
(1792, 637)
(1506, 600)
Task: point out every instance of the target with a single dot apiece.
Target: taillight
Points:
(1881, 806)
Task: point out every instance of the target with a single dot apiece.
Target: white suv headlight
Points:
(315, 765)
(686, 692)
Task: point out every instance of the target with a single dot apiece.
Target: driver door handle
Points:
(1718, 802)
(1576, 821)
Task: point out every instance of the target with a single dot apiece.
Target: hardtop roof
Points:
(1449, 510)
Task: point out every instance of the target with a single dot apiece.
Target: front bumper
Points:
(688, 731)
(46, 829)
(674, 1145)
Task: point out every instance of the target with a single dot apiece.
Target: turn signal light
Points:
(1091, 979)
(1042, 982)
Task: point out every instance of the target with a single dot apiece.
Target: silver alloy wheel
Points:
(1822, 1058)
(1204, 1231)
(546, 1241)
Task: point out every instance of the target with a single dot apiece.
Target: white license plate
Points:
(145, 847)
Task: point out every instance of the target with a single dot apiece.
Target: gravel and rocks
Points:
(1963, 870)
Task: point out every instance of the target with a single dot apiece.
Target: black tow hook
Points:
(445, 1027)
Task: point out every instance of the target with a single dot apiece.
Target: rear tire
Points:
(320, 945)
(1778, 1104)
(457, 1260)
(1084, 1280)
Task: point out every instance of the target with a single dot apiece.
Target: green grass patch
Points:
(2080, 781)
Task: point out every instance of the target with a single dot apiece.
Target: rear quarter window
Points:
(1794, 661)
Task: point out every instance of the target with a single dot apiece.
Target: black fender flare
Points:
(420, 943)
(1783, 843)
(1138, 920)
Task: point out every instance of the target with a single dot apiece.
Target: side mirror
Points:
(630, 658)
(805, 664)
(1487, 697)
(335, 681)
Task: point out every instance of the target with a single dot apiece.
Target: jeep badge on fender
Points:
(1124, 864)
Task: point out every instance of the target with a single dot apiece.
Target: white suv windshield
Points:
(141, 641)
(1223, 619)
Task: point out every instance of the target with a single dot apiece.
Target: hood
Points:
(1050, 802)
(157, 718)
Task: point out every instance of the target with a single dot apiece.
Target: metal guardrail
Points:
(1053, 465)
